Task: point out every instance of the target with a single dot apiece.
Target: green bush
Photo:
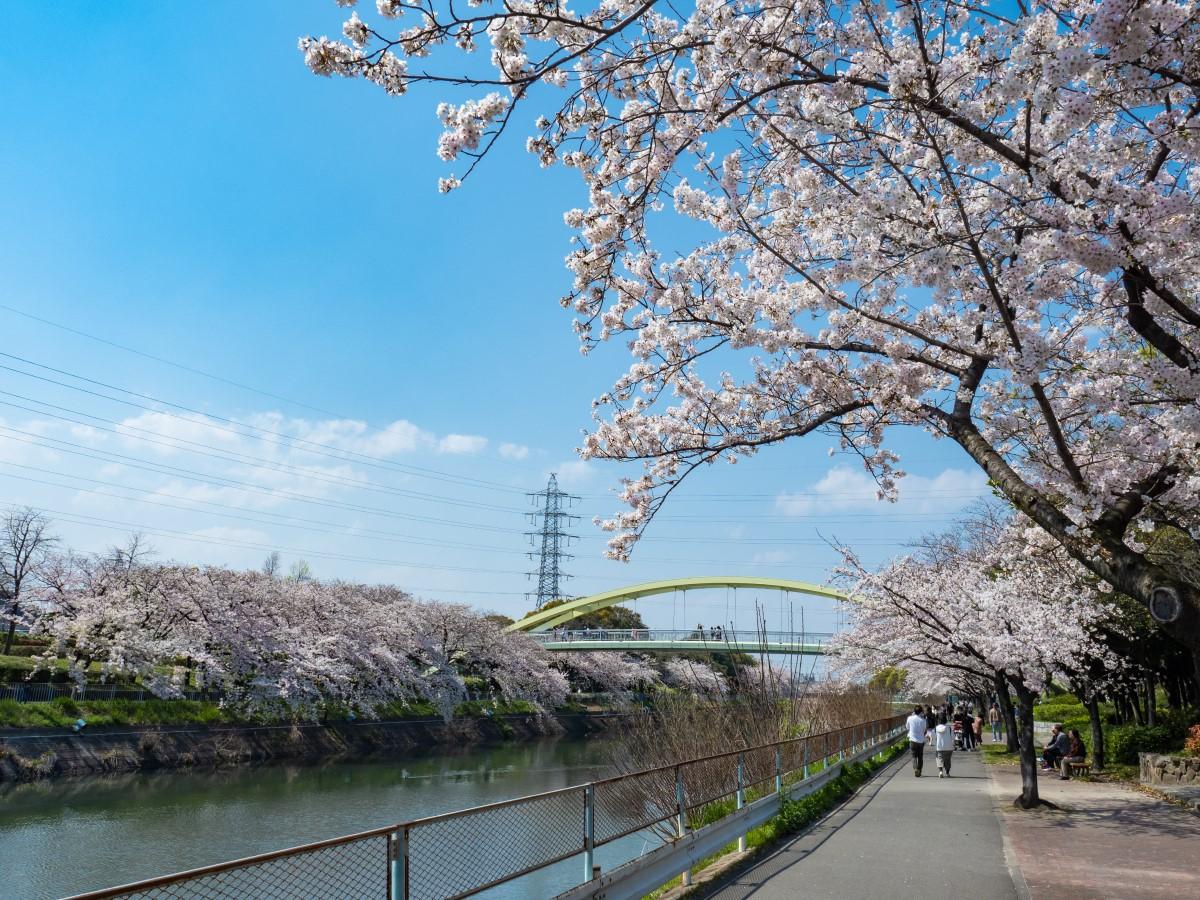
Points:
(1125, 742)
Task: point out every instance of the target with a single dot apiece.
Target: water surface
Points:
(64, 836)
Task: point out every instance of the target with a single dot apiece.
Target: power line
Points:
(554, 539)
(310, 525)
(303, 444)
(234, 456)
(223, 481)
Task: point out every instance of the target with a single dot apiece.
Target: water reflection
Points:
(69, 835)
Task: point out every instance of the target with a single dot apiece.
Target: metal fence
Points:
(715, 636)
(40, 692)
(461, 853)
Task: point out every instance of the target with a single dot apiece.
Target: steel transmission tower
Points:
(553, 537)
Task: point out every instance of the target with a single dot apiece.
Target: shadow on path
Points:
(899, 836)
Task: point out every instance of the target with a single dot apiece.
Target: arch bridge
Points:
(551, 627)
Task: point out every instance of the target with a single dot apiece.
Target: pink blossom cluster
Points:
(294, 646)
(977, 219)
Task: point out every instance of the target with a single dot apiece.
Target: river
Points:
(68, 835)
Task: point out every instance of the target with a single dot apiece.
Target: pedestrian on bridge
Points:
(916, 738)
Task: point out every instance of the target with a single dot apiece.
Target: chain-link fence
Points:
(462, 853)
(459, 854)
(41, 692)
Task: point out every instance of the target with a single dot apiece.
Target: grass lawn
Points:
(62, 713)
(998, 755)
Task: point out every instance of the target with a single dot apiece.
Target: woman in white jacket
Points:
(943, 745)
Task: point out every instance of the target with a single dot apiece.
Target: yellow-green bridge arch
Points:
(551, 626)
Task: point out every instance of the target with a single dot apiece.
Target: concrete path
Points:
(900, 836)
(1106, 841)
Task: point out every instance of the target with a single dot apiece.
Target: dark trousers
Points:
(918, 755)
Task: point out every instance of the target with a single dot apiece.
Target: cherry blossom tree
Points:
(613, 673)
(976, 218)
(25, 544)
(281, 645)
(980, 612)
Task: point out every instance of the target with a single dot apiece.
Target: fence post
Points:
(681, 823)
(804, 771)
(589, 830)
(741, 796)
(398, 864)
(778, 770)
(842, 745)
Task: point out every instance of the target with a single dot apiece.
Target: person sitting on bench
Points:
(1056, 748)
(1076, 754)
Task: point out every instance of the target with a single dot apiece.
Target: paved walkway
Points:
(1107, 841)
(900, 836)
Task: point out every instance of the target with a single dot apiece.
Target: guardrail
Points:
(713, 635)
(459, 854)
(42, 691)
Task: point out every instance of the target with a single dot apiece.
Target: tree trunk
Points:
(1151, 715)
(1093, 708)
(1006, 710)
(8, 640)
(1029, 787)
(1196, 677)
(1174, 689)
(1135, 702)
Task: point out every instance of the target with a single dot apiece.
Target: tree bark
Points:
(1130, 572)
(1006, 710)
(1093, 708)
(1029, 787)
(1151, 715)
(8, 640)
(1135, 703)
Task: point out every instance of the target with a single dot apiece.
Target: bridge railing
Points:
(708, 636)
(462, 853)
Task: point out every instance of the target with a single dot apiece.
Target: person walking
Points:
(994, 719)
(968, 731)
(977, 730)
(943, 745)
(916, 738)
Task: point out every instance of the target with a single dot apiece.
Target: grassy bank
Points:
(794, 817)
(63, 712)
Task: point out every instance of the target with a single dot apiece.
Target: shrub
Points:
(1192, 744)
(1126, 741)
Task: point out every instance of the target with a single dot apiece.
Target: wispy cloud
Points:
(462, 444)
(844, 489)
(514, 451)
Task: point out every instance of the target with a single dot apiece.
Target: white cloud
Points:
(514, 451)
(187, 427)
(574, 473)
(843, 489)
(399, 437)
(462, 443)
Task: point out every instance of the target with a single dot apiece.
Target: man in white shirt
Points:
(916, 738)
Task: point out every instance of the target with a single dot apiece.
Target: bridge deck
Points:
(648, 640)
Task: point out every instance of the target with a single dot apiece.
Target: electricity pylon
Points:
(553, 538)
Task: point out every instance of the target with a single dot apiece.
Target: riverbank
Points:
(32, 754)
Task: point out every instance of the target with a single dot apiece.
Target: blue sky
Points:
(177, 183)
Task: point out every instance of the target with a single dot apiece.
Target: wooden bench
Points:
(1079, 768)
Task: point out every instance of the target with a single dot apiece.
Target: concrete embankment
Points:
(29, 754)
